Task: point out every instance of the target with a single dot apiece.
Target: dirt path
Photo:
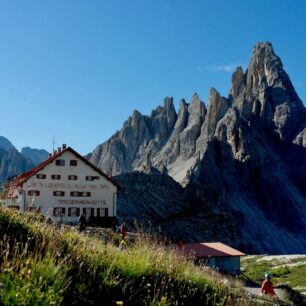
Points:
(256, 291)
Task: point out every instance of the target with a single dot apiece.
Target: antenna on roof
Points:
(53, 144)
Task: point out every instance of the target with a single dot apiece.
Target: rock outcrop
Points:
(140, 138)
(163, 140)
(241, 162)
(265, 95)
(36, 155)
(12, 163)
(5, 143)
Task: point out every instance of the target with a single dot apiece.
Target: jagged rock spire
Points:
(226, 154)
(262, 97)
(264, 94)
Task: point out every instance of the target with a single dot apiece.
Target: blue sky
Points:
(76, 69)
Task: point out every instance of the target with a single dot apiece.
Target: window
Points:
(58, 193)
(33, 192)
(72, 177)
(60, 162)
(41, 176)
(55, 177)
(73, 212)
(86, 194)
(88, 212)
(59, 211)
(73, 162)
(80, 194)
(102, 212)
(92, 178)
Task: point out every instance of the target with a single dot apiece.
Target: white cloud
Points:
(218, 68)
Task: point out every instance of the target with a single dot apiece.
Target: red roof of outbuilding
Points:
(20, 179)
(208, 249)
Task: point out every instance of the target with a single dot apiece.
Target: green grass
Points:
(281, 272)
(42, 265)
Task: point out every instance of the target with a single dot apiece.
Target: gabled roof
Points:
(214, 249)
(20, 179)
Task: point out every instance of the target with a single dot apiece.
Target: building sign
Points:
(84, 202)
(67, 185)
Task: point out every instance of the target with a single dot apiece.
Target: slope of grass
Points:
(290, 271)
(42, 265)
(284, 271)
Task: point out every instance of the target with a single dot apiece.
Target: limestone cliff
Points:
(243, 158)
(12, 163)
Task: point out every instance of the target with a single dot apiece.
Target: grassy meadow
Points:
(286, 271)
(290, 270)
(44, 265)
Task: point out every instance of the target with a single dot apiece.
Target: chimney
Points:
(50, 154)
(59, 149)
(64, 146)
(54, 152)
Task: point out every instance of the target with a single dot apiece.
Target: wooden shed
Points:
(215, 255)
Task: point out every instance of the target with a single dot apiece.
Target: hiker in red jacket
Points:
(123, 230)
(267, 286)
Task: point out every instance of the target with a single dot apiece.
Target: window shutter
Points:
(69, 212)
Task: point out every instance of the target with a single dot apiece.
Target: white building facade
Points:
(63, 187)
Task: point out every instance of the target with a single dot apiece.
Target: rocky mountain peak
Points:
(265, 67)
(182, 117)
(216, 109)
(13, 163)
(168, 103)
(195, 98)
(183, 104)
(164, 115)
(36, 155)
(238, 82)
(136, 116)
(5, 143)
(197, 106)
(264, 94)
(235, 160)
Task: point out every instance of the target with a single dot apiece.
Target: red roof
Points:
(20, 179)
(215, 249)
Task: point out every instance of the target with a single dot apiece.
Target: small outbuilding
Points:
(215, 255)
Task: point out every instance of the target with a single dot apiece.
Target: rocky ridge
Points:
(242, 158)
(36, 155)
(12, 162)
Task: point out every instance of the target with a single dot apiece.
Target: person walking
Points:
(267, 286)
(123, 230)
(82, 223)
